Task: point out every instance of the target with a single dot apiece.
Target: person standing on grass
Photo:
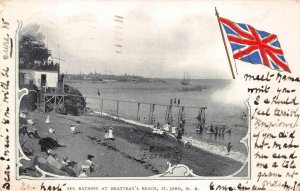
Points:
(48, 120)
(174, 130)
(229, 147)
(73, 128)
(106, 134)
(110, 133)
(160, 130)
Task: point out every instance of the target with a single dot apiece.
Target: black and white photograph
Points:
(128, 89)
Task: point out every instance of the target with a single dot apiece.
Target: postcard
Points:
(149, 95)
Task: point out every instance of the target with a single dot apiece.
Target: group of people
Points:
(48, 143)
(26, 131)
(40, 65)
(175, 101)
(216, 130)
(157, 130)
(73, 128)
(166, 128)
(86, 168)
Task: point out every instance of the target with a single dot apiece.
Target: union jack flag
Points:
(254, 46)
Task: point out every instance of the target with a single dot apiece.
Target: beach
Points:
(134, 152)
(220, 111)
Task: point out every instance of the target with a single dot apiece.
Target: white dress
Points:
(48, 120)
(106, 135)
(154, 131)
(73, 129)
(110, 134)
(174, 130)
(51, 131)
(30, 121)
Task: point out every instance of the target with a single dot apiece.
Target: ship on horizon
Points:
(186, 80)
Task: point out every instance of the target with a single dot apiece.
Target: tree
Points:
(32, 46)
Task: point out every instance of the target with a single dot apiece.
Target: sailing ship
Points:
(186, 80)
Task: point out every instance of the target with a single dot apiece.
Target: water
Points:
(161, 93)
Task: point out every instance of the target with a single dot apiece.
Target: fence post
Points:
(151, 114)
(138, 112)
(118, 108)
(44, 103)
(84, 109)
(37, 100)
(101, 105)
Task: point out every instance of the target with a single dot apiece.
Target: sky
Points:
(163, 39)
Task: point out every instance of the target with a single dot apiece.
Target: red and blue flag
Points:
(254, 46)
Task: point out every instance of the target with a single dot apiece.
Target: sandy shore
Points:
(214, 149)
(133, 153)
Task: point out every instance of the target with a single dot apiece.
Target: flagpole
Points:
(217, 14)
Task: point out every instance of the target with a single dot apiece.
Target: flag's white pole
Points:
(217, 14)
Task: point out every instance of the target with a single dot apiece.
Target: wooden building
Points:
(40, 78)
(49, 82)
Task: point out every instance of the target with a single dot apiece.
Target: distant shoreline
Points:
(152, 79)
